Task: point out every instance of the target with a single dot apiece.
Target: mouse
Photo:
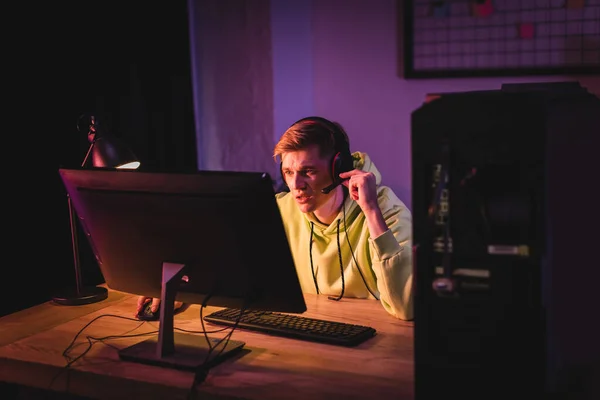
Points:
(147, 315)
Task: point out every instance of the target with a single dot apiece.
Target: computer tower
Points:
(505, 230)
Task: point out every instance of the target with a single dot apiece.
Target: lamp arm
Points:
(75, 244)
(87, 154)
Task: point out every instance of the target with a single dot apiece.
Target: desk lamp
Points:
(105, 151)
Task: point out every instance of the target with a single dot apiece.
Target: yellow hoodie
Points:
(381, 267)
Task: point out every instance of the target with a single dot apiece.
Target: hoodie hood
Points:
(363, 162)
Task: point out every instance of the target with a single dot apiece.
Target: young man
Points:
(349, 235)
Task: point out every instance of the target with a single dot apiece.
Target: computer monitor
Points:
(204, 237)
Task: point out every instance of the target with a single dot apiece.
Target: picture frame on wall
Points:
(470, 38)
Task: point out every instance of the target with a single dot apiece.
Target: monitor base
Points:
(86, 295)
(191, 352)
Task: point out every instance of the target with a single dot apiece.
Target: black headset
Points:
(342, 160)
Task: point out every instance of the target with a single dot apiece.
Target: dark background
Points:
(126, 62)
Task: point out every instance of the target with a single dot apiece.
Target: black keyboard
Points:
(293, 326)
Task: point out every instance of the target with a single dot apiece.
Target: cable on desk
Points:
(91, 340)
(90, 343)
(202, 371)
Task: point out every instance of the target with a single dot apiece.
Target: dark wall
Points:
(127, 62)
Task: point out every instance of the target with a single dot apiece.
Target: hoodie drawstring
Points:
(312, 268)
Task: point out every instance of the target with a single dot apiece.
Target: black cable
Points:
(354, 258)
(312, 268)
(71, 360)
(340, 256)
(341, 264)
(203, 369)
(91, 340)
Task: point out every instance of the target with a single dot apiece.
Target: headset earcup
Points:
(337, 166)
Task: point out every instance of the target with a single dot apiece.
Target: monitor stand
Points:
(178, 350)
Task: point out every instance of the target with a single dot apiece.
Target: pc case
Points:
(506, 220)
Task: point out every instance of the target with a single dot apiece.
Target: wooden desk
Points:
(32, 342)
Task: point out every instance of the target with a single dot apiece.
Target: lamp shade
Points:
(109, 152)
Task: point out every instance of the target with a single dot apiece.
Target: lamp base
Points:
(86, 295)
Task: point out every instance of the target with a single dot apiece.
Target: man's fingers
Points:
(155, 304)
(141, 302)
(348, 174)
